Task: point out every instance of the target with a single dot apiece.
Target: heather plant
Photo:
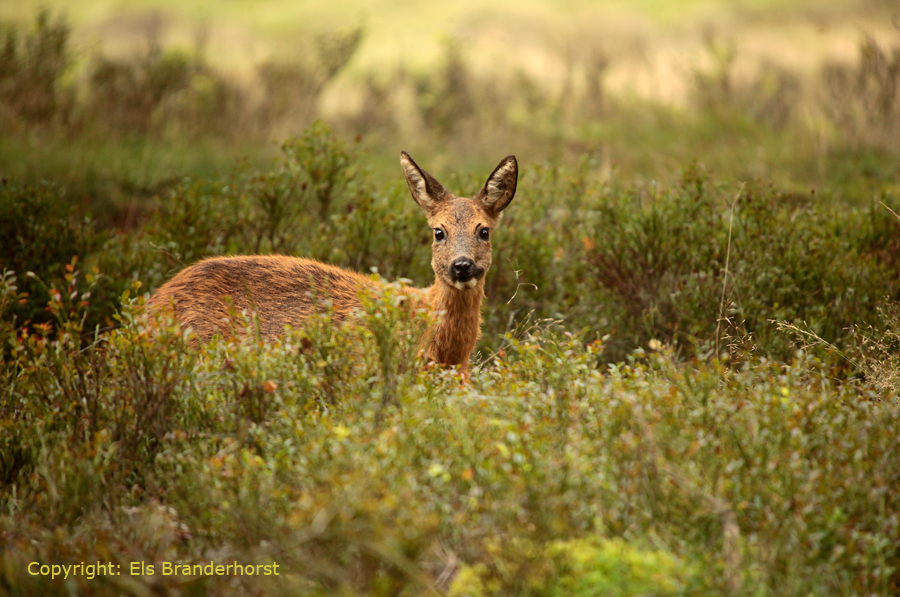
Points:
(770, 97)
(641, 263)
(334, 454)
(862, 100)
(30, 71)
(882, 350)
(446, 99)
(128, 93)
(257, 211)
(42, 231)
(325, 163)
(583, 567)
(293, 88)
(875, 348)
(663, 258)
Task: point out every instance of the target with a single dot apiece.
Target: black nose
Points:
(462, 268)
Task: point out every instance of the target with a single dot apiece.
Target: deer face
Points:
(462, 227)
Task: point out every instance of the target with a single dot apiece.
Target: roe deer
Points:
(284, 291)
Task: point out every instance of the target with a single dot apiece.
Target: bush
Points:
(293, 89)
(581, 567)
(162, 94)
(601, 443)
(30, 73)
(333, 453)
(41, 233)
(659, 265)
(251, 211)
(863, 101)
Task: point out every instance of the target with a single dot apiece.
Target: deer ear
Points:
(427, 191)
(500, 187)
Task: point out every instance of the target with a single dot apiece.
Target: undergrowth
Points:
(334, 454)
(641, 263)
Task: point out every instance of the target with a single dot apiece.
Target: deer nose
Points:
(462, 268)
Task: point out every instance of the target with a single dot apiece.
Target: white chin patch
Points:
(470, 283)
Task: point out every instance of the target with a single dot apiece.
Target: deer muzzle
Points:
(465, 272)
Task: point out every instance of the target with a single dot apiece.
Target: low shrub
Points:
(579, 567)
(42, 232)
(695, 264)
(688, 263)
(30, 72)
(333, 453)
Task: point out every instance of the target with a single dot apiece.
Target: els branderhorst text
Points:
(211, 568)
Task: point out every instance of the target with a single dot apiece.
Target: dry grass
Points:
(653, 46)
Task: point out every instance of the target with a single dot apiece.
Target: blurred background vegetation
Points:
(688, 379)
(126, 95)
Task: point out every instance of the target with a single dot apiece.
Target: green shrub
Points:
(126, 94)
(30, 73)
(79, 400)
(41, 232)
(293, 88)
(659, 268)
(445, 98)
(862, 100)
(284, 209)
(332, 452)
(583, 567)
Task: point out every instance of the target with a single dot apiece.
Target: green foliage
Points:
(585, 567)
(642, 264)
(864, 100)
(334, 454)
(649, 263)
(325, 163)
(41, 233)
(881, 350)
(30, 71)
(162, 93)
(261, 211)
(445, 98)
(294, 87)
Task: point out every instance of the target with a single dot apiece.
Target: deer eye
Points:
(439, 234)
(484, 234)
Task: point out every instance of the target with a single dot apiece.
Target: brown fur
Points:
(284, 291)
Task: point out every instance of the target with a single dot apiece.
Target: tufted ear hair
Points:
(500, 187)
(426, 191)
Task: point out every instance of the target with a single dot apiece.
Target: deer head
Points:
(461, 252)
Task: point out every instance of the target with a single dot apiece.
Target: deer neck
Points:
(459, 324)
